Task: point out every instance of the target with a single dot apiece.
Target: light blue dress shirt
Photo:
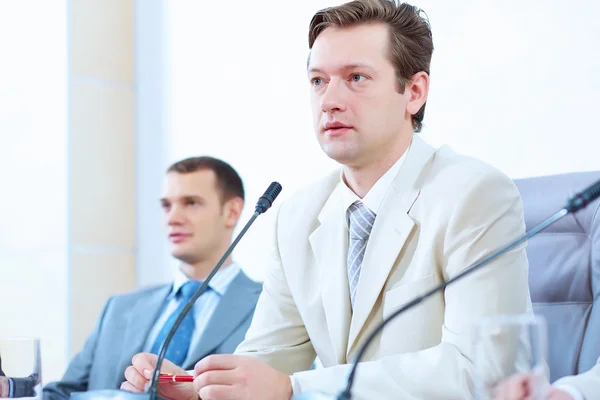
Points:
(203, 308)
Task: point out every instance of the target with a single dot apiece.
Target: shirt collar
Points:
(218, 283)
(374, 197)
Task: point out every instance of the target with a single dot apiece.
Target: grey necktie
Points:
(360, 223)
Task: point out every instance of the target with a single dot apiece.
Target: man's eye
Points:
(358, 78)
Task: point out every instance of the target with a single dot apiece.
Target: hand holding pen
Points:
(138, 375)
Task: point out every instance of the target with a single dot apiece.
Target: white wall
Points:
(514, 83)
(33, 175)
(151, 142)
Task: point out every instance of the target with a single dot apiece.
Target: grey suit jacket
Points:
(125, 322)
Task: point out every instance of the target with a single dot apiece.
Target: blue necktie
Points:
(178, 348)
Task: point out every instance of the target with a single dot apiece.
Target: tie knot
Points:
(360, 220)
(188, 289)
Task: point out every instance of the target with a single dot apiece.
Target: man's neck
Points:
(361, 178)
(200, 271)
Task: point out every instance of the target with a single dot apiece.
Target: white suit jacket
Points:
(442, 213)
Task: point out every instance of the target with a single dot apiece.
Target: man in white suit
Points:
(397, 219)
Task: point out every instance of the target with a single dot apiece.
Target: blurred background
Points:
(98, 97)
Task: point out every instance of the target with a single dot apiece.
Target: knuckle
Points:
(137, 361)
(209, 362)
(200, 381)
(208, 392)
(244, 376)
(206, 378)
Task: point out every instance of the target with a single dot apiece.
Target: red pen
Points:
(175, 378)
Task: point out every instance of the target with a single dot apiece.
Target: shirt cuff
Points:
(11, 388)
(295, 386)
(571, 390)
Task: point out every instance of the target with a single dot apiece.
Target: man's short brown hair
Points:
(411, 41)
(228, 181)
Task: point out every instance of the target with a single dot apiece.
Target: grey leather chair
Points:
(564, 270)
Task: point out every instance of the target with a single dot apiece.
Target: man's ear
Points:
(417, 89)
(232, 209)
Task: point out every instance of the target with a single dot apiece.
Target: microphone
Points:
(574, 204)
(266, 200)
(264, 203)
(582, 199)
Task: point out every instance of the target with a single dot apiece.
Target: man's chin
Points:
(183, 256)
(342, 158)
(339, 152)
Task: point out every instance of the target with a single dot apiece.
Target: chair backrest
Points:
(564, 270)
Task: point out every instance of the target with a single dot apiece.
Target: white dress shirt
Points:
(375, 195)
(202, 310)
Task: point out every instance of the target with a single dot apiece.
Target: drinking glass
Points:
(506, 347)
(20, 368)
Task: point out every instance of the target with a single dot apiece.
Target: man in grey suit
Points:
(203, 200)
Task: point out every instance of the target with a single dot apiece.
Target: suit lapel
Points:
(235, 305)
(329, 245)
(142, 317)
(391, 229)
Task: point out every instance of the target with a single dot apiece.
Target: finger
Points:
(535, 388)
(130, 388)
(145, 363)
(217, 362)
(501, 390)
(517, 390)
(217, 392)
(217, 377)
(4, 386)
(133, 376)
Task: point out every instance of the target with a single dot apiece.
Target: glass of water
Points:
(20, 368)
(509, 346)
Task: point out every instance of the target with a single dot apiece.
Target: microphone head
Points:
(583, 198)
(266, 200)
